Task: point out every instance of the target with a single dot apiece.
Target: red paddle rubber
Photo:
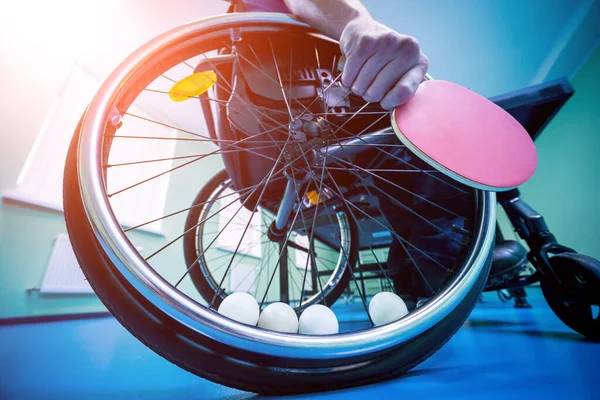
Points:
(465, 136)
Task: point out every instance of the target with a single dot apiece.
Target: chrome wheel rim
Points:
(180, 307)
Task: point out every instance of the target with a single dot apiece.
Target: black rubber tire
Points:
(241, 369)
(190, 249)
(576, 315)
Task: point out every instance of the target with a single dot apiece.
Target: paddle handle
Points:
(342, 62)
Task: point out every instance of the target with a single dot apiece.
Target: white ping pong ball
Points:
(386, 307)
(318, 320)
(240, 307)
(279, 317)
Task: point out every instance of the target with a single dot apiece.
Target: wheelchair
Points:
(279, 181)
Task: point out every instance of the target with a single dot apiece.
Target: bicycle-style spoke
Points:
(402, 205)
(310, 244)
(155, 176)
(257, 186)
(269, 253)
(240, 192)
(169, 126)
(192, 161)
(263, 71)
(373, 169)
(196, 225)
(393, 156)
(246, 276)
(413, 212)
(383, 271)
(232, 92)
(230, 143)
(391, 230)
(346, 256)
(352, 275)
(351, 165)
(280, 83)
(243, 251)
(399, 203)
(285, 242)
(207, 138)
(401, 239)
(167, 78)
(384, 113)
(220, 231)
(218, 101)
(176, 139)
(268, 178)
(179, 139)
(287, 104)
(398, 237)
(312, 229)
(122, 164)
(257, 278)
(426, 200)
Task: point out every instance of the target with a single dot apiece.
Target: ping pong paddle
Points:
(464, 136)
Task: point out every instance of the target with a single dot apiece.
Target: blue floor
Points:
(501, 352)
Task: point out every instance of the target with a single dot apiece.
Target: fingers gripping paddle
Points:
(465, 136)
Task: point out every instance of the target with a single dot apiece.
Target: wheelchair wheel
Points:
(504, 295)
(138, 160)
(574, 301)
(323, 282)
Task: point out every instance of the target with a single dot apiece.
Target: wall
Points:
(38, 43)
(495, 46)
(491, 46)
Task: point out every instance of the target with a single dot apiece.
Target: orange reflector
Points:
(313, 197)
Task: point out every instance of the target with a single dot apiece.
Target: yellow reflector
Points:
(193, 85)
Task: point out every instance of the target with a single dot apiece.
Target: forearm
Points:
(328, 16)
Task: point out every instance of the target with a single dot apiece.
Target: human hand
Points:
(382, 65)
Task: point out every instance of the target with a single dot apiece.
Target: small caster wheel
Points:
(504, 295)
(574, 301)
